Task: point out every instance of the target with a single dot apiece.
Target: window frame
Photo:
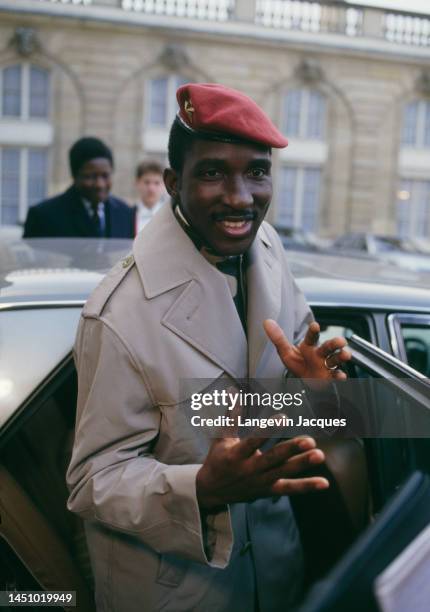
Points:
(423, 110)
(299, 191)
(395, 322)
(24, 115)
(171, 104)
(23, 171)
(415, 220)
(304, 108)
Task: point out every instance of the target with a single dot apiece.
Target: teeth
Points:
(234, 224)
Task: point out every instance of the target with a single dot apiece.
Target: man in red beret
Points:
(174, 522)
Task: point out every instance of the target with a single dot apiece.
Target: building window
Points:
(24, 97)
(304, 114)
(161, 100)
(23, 181)
(298, 202)
(416, 124)
(25, 92)
(413, 209)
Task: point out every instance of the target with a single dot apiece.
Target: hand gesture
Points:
(308, 360)
(237, 470)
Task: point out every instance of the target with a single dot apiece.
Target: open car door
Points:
(395, 403)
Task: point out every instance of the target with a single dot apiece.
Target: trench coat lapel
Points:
(264, 296)
(204, 314)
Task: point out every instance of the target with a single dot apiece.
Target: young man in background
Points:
(151, 192)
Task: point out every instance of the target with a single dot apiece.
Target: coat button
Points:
(245, 548)
(127, 261)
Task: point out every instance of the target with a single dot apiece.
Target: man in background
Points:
(86, 209)
(151, 192)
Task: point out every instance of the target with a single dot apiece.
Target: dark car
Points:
(385, 311)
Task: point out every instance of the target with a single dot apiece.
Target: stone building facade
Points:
(349, 86)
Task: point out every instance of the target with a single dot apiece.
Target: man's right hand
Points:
(237, 470)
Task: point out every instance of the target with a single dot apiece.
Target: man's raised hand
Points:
(308, 360)
(238, 471)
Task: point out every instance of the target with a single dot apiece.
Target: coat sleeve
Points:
(113, 476)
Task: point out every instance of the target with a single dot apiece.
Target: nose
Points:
(100, 183)
(237, 194)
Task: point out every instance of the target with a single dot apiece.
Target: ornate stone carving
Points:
(25, 41)
(174, 57)
(309, 71)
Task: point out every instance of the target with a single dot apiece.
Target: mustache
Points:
(245, 215)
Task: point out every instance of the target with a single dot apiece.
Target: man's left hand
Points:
(308, 360)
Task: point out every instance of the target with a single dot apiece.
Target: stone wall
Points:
(99, 70)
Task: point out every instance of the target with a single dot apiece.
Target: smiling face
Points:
(224, 191)
(94, 180)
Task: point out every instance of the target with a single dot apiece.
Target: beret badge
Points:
(188, 108)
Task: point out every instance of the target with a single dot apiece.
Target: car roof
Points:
(53, 270)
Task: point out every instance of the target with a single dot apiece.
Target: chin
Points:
(234, 248)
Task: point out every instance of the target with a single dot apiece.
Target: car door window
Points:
(33, 341)
(416, 340)
(397, 398)
(410, 335)
(335, 321)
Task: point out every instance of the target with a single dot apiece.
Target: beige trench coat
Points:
(162, 315)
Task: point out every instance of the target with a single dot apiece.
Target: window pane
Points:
(413, 209)
(422, 206)
(11, 94)
(315, 127)
(426, 124)
(417, 346)
(287, 196)
(291, 113)
(404, 204)
(44, 336)
(311, 199)
(37, 173)
(9, 188)
(39, 92)
(158, 102)
(410, 118)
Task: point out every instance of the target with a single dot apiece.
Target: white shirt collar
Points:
(144, 210)
(89, 207)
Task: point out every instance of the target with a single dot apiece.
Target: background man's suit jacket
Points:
(65, 216)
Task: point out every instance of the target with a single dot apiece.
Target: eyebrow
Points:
(219, 161)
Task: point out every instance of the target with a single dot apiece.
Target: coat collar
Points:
(204, 314)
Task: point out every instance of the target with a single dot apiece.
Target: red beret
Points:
(222, 113)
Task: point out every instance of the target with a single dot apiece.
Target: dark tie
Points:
(95, 219)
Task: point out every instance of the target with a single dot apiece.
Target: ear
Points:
(171, 181)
